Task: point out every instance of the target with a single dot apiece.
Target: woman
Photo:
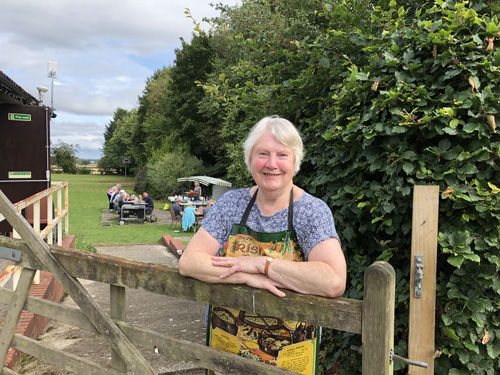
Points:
(252, 234)
(188, 218)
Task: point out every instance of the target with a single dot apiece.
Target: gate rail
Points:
(372, 317)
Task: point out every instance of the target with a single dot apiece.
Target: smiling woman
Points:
(277, 237)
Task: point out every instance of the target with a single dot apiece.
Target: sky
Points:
(105, 51)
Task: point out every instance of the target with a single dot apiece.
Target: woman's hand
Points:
(263, 282)
(253, 267)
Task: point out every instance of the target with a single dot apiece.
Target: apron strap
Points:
(290, 211)
(252, 201)
(249, 208)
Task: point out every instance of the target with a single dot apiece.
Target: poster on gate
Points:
(279, 342)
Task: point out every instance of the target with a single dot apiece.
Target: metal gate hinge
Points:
(419, 275)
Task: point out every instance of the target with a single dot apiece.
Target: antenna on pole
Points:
(52, 73)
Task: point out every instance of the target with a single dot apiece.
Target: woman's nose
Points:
(271, 162)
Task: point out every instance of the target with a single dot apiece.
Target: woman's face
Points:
(272, 164)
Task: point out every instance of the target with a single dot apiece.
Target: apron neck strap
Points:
(252, 201)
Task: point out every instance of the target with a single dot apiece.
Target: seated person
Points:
(149, 203)
(132, 199)
(116, 191)
(119, 200)
(208, 208)
(177, 208)
(188, 218)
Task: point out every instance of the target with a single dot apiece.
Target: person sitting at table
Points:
(113, 190)
(119, 200)
(188, 218)
(149, 203)
(177, 208)
(197, 191)
(112, 196)
(204, 210)
(132, 199)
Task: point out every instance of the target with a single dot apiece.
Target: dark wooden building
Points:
(24, 144)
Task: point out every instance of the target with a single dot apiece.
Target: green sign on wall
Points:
(19, 117)
(20, 174)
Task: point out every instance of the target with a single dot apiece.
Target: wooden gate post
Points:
(422, 307)
(377, 334)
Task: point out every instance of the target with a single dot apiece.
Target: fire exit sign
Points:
(19, 117)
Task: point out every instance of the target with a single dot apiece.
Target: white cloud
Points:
(105, 51)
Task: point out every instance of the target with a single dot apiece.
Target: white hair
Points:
(283, 132)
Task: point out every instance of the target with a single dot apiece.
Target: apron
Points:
(284, 343)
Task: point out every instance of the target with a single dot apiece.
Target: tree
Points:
(120, 144)
(64, 156)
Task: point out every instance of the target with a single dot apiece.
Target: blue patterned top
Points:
(312, 219)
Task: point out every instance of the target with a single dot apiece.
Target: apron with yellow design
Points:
(284, 343)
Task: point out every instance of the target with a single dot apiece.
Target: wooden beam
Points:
(117, 339)
(378, 319)
(422, 309)
(118, 311)
(16, 303)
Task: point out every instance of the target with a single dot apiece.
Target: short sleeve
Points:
(313, 222)
(226, 211)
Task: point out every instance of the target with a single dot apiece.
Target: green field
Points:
(87, 199)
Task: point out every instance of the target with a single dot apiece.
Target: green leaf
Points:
(450, 333)
(408, 168)
(451, 73)
(479, 318)
(456, 261)
(471, 346)
(324, 62)
(493, 349)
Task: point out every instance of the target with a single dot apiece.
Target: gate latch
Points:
(419, 274)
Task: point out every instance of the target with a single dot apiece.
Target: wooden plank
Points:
(59, 358)
(53, 310)
(199, 355)
(118, 311)
(167, 281)
(378, 319)
(422, 310)
(118, 341)
(16, 303)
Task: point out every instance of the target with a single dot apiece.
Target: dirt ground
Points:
(177, 318)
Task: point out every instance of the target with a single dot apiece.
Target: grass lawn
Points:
(87, 198)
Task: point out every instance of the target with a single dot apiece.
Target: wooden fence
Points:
(373, 317)
(58, 223)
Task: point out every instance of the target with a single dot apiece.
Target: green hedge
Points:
(420, 109)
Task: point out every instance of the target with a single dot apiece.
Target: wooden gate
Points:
(373, 317)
